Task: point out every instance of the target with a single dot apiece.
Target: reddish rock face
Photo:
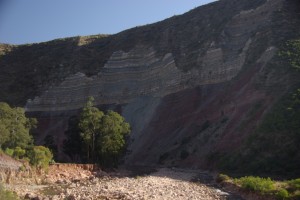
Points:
(201, 121)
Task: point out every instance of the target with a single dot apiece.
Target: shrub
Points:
(40, 156)
(294, 184)
(7, 195)
(222, 178)
(256, 184)
(9, 152)
(282, 194)
(296, 194)
(19, 152)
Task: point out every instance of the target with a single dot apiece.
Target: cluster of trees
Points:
(15, 137)
(95, 136)
(101, 136)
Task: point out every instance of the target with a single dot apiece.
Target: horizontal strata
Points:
(140, 72)
(124, 77)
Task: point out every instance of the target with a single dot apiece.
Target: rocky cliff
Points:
(190, 86)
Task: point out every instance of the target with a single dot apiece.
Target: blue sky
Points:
(29, 21)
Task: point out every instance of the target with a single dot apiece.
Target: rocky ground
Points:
(162, 184)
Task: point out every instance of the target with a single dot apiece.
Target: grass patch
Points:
(7, 195)
(265, 186)
(262, 185)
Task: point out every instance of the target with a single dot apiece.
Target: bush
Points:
(282, 194)
(262, 185)
(294, 184)
(19, 153)
(40, 156)
(222, 178)
(9, 152)
(7, 195)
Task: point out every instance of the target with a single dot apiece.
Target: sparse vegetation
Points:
(273, 147)
(290, 52)
(222, 178)
(262, 185)
(7, 195)
(265, 186)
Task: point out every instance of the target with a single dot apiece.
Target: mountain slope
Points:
(193, 87)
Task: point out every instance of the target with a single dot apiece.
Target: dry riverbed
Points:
(162, 184)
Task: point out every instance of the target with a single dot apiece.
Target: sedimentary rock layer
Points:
(141, 72)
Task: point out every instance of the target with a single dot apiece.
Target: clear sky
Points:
(29, 21)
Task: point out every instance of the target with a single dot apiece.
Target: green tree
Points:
(90, 126)
(14, 127)
(111, 142)
(104, 135)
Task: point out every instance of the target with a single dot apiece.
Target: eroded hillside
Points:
(193, 87)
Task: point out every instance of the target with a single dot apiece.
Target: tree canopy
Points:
(15, 137)
(103, 135)
(14, 127)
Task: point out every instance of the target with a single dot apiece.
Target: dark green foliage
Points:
(290, 51)
(103, 135)
(19, 153)
(40, 156)
(73, 140)
(111, 140)
(90, 126)
(51, 144)
(274, 146)
(16, 139)
(14, 127)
